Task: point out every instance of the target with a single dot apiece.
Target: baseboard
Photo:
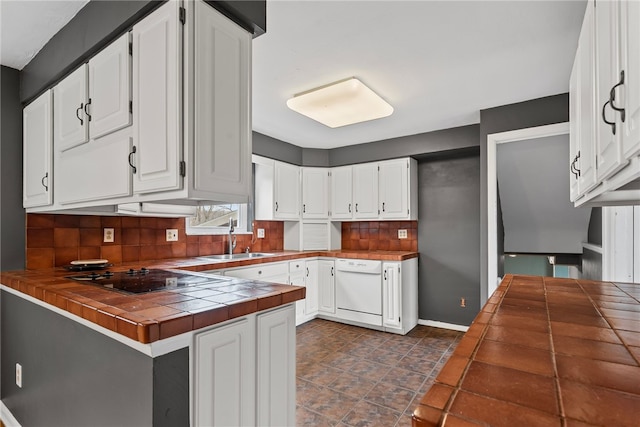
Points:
(443, 325)
(7, 417)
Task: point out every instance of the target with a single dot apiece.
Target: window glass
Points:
(214, 219)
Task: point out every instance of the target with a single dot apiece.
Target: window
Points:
(214, 219)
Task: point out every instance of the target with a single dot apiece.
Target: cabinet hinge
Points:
(183, 15)
(378, 168)
(131, 107)
(398, 269)
(131, 48)
(407, 211)
(183, 168)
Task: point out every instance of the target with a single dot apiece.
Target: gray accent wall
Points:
(536, 112)
(272, 148)
(448, 238)
(12, 214)
(595, 227)
(75, 376)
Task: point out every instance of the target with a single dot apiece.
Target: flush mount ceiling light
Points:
(341, 103)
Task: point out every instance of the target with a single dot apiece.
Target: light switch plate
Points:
(108, 235)
(402, 234)
(172, 234)
(260, 233)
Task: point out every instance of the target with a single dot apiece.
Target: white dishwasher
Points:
(359, 290)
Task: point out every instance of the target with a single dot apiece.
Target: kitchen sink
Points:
(244, 255)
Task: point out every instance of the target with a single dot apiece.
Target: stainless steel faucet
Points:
(232, 238)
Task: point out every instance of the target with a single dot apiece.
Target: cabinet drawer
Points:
(259, 272)
(296, 267)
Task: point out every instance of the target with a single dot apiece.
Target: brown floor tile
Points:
(599, 406)
(370, 370)
(321, 375)
(599, 373)
(404, 378)
(517, 357)
(592, 350)
(306, 390)
(384, 357)
(305, 417)
(499, 413)
(331, 404)
(352, 385)
(339, 360)
(417, 364)
(371, 415)
(390, 396)
(523, 388)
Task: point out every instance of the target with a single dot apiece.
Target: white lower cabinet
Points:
(326, 287)
(391, 294)
(244, 371)
(276, 368)
(311, 283)
(224, 375)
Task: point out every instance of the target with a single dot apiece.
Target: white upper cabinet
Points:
(315, 193)
(222, 104)
(605, 90)
(71, 124)
(109, 104)
(37, 133)
(157, 100)
(365, 191)
(286, 191)
(341, 192)
(394, 189)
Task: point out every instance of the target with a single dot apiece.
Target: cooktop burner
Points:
(143, 280)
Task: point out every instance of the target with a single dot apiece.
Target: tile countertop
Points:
(544, 352)
(154, 316)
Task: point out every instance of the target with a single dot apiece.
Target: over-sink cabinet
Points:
(605, 106)
(160, 115)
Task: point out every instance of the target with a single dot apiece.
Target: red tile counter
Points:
(544, 352)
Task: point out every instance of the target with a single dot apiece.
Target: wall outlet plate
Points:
(172, 234)
(402, 234)
(108, 235)
(260, 233)
(19, 375)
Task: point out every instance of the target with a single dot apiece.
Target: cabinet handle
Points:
(385, 275)
(307, 271)
(46, 176)
(575, 167)
(356, 207)
(304, 208)
(276, 206)
(80, 108)
(349, 207)
(382, 206)
(612, 97)
(604, 117)
(133, 151)
(331, 271)
(85, 109)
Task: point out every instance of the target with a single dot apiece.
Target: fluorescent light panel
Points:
(341, 103)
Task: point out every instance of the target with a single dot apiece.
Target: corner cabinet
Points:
(37, 134)
(605, 106)
(277, 190)
(315, 193)
(400, 295)
(244, 371)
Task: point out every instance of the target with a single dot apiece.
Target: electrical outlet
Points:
(19, 375)
(172, 234)
(402, 234)
(108, 235)
(260, 233)
(463, 302)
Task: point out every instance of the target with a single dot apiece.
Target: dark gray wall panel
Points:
(536, 112)
(171, 389)
(591, 265)
(448, 239)
(12, 215)
(72, 375)
(95, 25)
(250, 14)
(595, 227)
(315, 157)
(272, 148)
(413, 145)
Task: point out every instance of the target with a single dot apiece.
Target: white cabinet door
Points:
(630, 63)
(98, 170)
(110, 88)
(157, 100)
(394, 189)
(37, 133)
(609, 147)
(276, 368)
(326, 287)
(341, 193)
(391, 294)
(365, 191)
(315, 193)
(222, 104)
(312, 270)
(224, 375)
(299, 280)
(287, 191)
(71, 124)
(574, 128)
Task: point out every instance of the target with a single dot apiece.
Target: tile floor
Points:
(351, 376)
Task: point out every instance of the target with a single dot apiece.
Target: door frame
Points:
(492, 192)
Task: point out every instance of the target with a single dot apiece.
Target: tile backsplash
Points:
(55, 240)
(379, 235)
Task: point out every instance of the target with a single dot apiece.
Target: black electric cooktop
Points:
(143, 280)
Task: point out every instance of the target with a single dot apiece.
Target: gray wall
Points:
(534, 265)
(12, 215)
(272, 148)
(448, 238)
(75, 376)
(536, 112)
(595, 227)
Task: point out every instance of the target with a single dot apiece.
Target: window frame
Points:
(241, 228)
